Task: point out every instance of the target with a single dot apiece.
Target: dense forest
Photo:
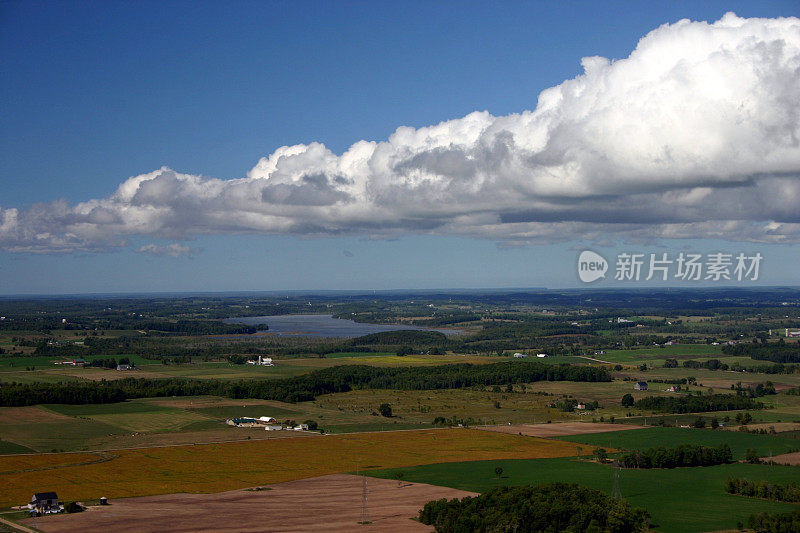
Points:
(552, 507)
(683, 455)
(697, 404)
(302, 388)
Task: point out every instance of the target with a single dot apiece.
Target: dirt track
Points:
(558, 430)
(327, 503)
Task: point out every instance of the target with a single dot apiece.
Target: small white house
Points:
(540, 355)
(520, 355)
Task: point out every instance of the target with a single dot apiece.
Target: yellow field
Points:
(219, 467)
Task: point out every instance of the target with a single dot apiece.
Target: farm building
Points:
(261, 361)
(519, 355)
(45, 503)
(250, 422)
(123, 367)
(72, 362)
(640, 385)
(674, 388)
(540, 355)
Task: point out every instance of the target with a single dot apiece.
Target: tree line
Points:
(683, 455)
(550, 507)
(777, 352)
(307, 387)
(767, 490)
(697, 404)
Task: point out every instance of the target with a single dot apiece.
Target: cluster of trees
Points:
(697, 404)
(454, 421)
(711, 364)
(789, 492)
(683, 455)
(777, 368)
(108, 362)
(775, 523)
(302, 388)
(568, 405)
(762, 389)
(551, 507)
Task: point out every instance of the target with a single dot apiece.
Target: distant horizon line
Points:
(344, 292)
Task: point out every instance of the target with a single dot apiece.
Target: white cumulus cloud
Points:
(695, 134)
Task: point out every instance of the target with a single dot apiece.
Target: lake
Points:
(324, 326)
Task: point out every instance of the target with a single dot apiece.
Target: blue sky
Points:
(97, 92)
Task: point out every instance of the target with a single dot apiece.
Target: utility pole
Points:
(364, 516)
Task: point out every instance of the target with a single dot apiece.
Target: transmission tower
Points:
(616, 493)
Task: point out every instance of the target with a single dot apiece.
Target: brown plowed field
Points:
(785, 459)
(327, 503)
(558, 430)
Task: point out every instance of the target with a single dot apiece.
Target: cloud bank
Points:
(695, 134)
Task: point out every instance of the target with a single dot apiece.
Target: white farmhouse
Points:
(261, 361)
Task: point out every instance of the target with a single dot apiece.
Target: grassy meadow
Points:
(679, 500)
(643, 439)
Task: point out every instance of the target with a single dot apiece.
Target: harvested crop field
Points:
(558, 430)
(219, 467)
(327, 503)
(29, 415)
(785, 459)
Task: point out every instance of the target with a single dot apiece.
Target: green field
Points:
(232, 411)
(643, 439)
(679, 500)
(89, 410)
(65, 434)
(12, 448)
